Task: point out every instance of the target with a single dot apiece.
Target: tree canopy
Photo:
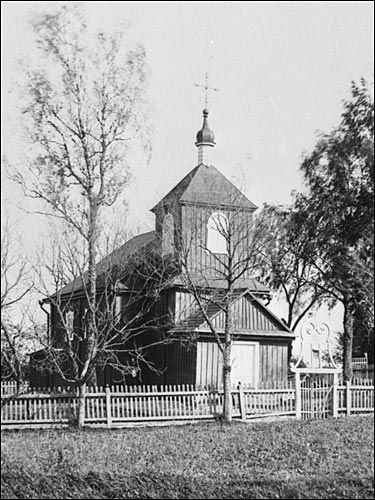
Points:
(337, 212)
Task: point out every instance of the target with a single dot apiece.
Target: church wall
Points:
(185, 305)
(247, 315)
(273, 360)
(172, 208)
(180, 363)
(194, 230)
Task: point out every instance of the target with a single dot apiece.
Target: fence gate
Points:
(315, 373)
(316, 395)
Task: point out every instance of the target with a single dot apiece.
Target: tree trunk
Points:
(227, 391)
(348, 342)
(91, 341)
(227, 361)
(81, 405)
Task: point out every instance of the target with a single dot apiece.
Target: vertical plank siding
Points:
(273, 361)
(271, 368)
(209, 371)
(194, 223)
(247, 314)
(180, 363)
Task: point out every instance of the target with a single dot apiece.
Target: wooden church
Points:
(202, 241)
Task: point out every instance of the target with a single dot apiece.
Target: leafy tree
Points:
(337, 213)
(285, 261)
(85, 105)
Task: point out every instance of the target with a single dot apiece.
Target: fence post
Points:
(335, 396)
(348, 398)
(241, 401)
(108, 406)
(298, 395)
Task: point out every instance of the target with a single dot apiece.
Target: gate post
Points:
(298, 395)
(241, 401)
(348, 398)
(335, 396)
(108, 406)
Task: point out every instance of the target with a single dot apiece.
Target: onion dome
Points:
(205, 134)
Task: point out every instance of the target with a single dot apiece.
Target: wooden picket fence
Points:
(9, 387)
(112, 406)
(361, 362)
(116, 406)
(356, 397)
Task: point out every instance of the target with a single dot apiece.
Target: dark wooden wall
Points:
(273, 361)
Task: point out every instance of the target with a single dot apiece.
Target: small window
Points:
(69, 320)
(167, 245)
(315, 358)
(217, 233)
(117, 305)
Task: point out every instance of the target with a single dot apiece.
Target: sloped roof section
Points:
(250, 284)
(206, 185)
(251, 316)
(116, 258)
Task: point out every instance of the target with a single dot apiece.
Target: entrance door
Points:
(245, 363)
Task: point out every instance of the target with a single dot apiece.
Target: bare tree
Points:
(16, 283)
(129, 281)
(85, 106)
(216, 256)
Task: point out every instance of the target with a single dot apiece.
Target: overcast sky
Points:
(282, 68)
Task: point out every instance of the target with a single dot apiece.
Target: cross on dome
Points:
(206, 88)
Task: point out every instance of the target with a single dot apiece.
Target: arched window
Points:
(167, 244)
(69, 321)
(217, 230)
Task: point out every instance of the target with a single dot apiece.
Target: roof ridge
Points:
(184, 179)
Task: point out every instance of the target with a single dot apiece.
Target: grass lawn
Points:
(286, 459)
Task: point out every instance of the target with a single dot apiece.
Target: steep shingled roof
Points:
(115, 258)
(205, 184)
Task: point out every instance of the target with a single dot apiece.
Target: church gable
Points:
(250, 316)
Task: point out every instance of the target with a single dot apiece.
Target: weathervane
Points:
(206, 88)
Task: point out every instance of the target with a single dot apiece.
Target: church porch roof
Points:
(252, 318)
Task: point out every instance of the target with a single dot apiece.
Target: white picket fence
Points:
(355, 397)
(360, 362)
(120, 405)
(9, 387)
